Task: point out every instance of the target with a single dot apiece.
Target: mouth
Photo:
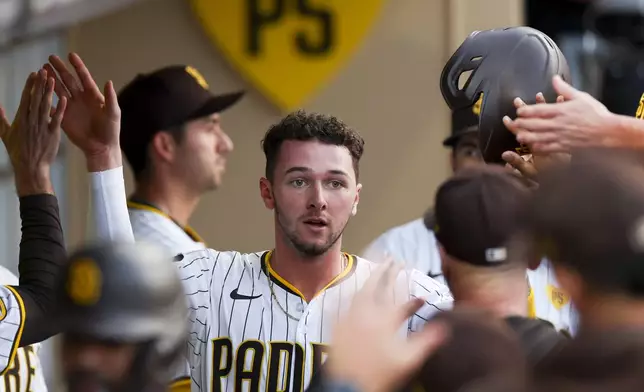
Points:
(316, 222)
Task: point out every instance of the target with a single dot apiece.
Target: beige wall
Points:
(401, 116)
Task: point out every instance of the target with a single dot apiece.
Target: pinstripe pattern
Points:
(241, 339)
(26, 373)
(159, 230)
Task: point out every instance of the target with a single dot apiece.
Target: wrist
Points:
(36, 182)
(106, 160)
(628, 132)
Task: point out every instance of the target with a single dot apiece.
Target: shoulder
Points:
(220, 259)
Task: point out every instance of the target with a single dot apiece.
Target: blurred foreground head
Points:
(588, 219)
(123, 311)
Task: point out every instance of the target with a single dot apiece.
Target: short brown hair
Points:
(303, 126)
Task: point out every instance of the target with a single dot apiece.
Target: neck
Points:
(613, 312)
(175, 199)
(309, 275)
(502, 301)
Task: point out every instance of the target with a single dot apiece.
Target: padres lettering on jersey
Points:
(252, 330)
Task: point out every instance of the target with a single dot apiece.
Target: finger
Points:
(517, 162)
(47, 101)
(408, 309)
(371, 285)
(57, 117)
(531, 138)
(564, 89)
(111, 101)
(84, 75)
(550, 148)
(510, 125)
(59, 87)
(67, 77)
(36, 98)
(541, 98)
(537, 124)
(518, 102)
(25, 99)
(561, 99)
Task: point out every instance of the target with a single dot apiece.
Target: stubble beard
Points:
(306, 249)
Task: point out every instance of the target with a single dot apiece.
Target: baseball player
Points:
(32, 142)
(172, 137)
(261, 321)
(171, 111)
(122, 309)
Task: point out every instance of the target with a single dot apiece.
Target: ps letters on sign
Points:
(288, 49)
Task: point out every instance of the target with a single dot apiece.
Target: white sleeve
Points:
(437, 298)
(12, 318)
(109, 206)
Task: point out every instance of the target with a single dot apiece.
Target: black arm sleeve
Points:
(42, 258)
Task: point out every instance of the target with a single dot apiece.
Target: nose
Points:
(317, 201)
(225, 145)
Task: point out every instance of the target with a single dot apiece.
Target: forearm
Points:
(109, 205)
(41, 261)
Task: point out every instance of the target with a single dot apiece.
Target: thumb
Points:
(564, 89)
(111, 100)
(3, 117)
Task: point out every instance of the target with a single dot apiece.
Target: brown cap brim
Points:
(217, 104)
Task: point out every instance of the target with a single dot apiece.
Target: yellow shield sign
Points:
(287, 48)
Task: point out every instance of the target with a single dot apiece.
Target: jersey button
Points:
(299, 307)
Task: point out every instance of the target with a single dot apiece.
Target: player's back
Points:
(252, 330)
(24, 374)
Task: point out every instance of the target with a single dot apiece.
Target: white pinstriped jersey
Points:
(151, 225)
(253, 331)
(24, 373)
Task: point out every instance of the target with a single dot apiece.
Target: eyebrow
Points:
(301, 169)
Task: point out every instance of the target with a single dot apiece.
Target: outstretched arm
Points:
(92, 123)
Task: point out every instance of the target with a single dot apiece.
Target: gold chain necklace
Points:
(345, 262)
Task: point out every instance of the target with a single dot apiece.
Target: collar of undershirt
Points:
(284, 284)
(138, 204)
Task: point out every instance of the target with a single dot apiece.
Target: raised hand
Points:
(529, 167)
(32, 140)
(92, 121)
(579, 121)
(369, 335)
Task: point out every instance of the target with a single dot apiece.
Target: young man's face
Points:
(466, 152)
(314, 193)
(203, 152)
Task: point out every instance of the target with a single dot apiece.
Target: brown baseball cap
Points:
(478, 212)
(589, 216)
(162, 99)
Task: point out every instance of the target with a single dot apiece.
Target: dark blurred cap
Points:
(480, 350)
(478, 212)
(464, 121)
(162, 99)
(589, 215)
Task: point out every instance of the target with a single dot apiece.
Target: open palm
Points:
(92, 119)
